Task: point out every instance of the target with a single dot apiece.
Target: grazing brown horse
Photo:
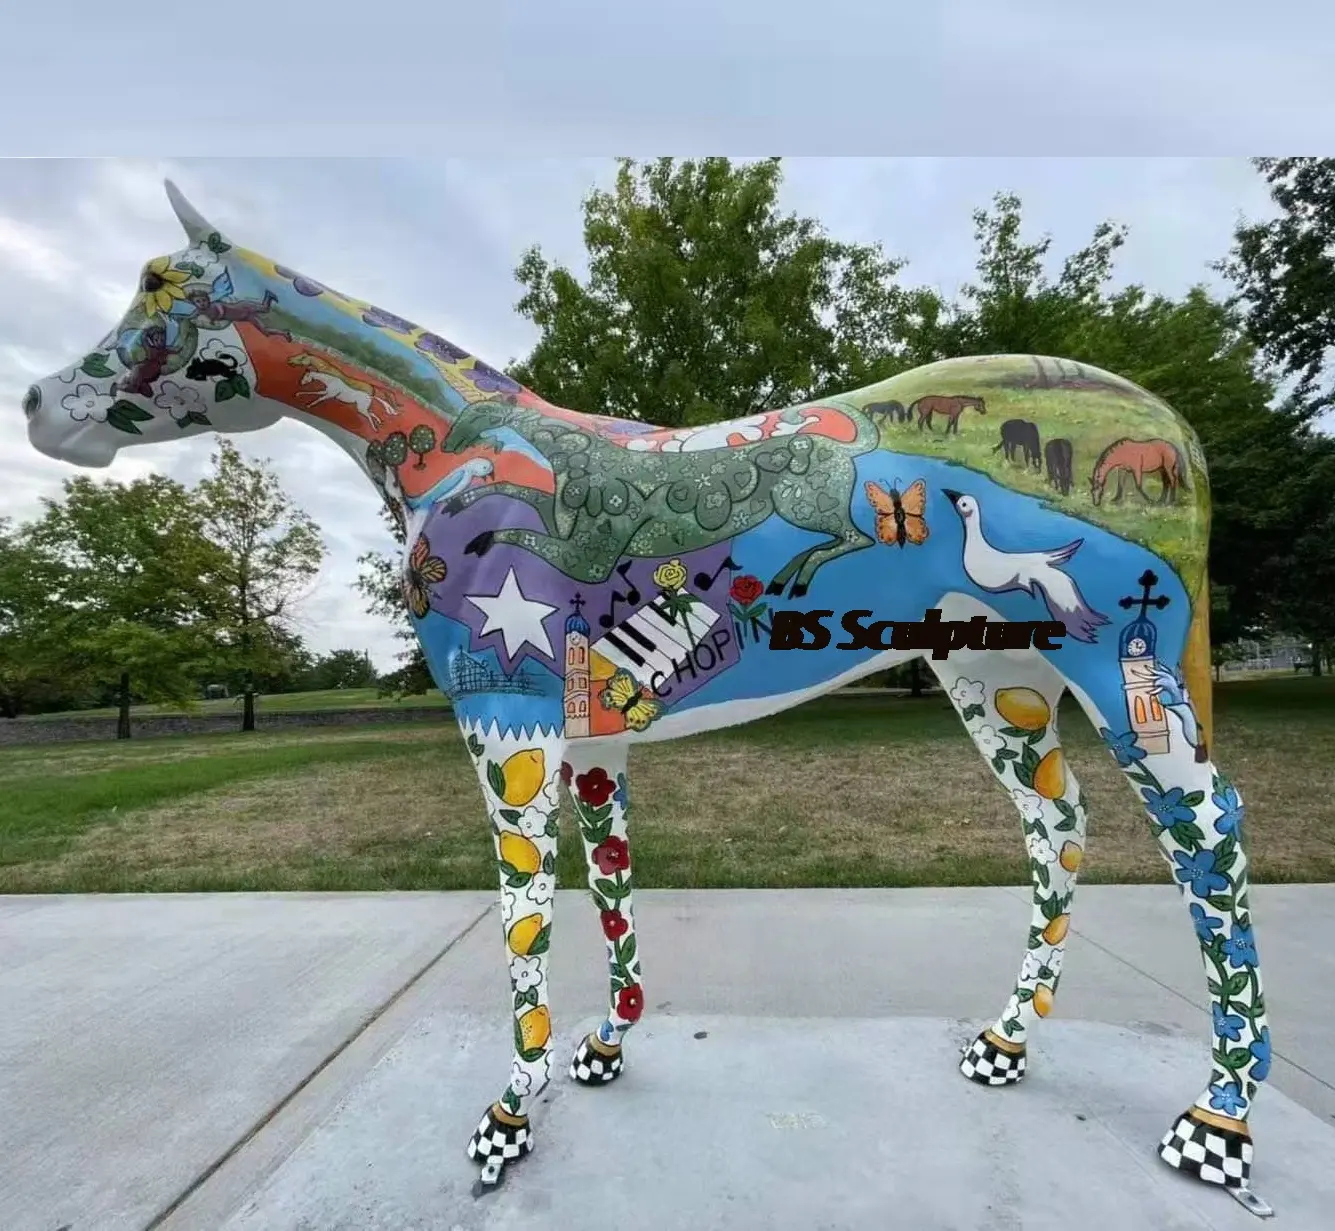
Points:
(949, 407)
(1139, 458)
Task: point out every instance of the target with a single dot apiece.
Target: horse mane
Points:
(1103, 457)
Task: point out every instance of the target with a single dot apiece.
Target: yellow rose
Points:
(670, 576)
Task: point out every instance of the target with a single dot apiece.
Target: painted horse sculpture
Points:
(580, 582)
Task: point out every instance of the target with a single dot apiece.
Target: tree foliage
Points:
(379, 584)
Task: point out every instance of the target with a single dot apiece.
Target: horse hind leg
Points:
(520, 783)
(1197, 816)
(596, 782)
(1008, 703)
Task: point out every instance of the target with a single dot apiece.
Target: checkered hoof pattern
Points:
(1203, 1145)
(595, 1063)
(993, 1061)
(499, 1139)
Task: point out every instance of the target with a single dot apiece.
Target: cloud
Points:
(437, 240)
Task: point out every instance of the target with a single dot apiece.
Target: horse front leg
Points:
(1009, 707)
(520, 783)
(595, 777)
(582, 560)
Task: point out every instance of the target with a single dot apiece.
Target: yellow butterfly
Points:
(638, 705)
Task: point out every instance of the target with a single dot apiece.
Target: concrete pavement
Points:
(317, 1061)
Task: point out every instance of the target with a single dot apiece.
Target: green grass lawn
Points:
(864, 790)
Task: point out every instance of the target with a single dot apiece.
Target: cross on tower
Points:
(1148, 580)
(577, 602)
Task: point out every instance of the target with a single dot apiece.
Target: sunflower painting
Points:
(161, 286)
(424, 570)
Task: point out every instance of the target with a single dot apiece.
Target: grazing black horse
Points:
(1057, 454)
(1021, 434)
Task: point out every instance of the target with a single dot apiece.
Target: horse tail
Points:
(1181, 468)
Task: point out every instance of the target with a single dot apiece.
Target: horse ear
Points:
(197, 227)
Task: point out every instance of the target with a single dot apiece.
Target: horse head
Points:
(135, 387)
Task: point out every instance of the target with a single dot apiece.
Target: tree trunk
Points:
(123, 717)
(915, 677)
(8, 706)
(1317, 652)
(248, 706)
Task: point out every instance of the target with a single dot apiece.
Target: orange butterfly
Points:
(424, 570)
(899, 518)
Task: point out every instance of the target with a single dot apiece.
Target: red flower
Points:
(612, 856)
(595, 787)
(614, 924)
(566, 772)
(630, 1002)
(746, 589)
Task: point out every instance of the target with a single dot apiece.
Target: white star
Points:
(516, 618)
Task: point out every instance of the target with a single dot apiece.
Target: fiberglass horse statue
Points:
(580, 582)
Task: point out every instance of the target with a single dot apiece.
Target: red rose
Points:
(630, 1002)
(595, 787)
(614, 924)
(746, 589)
(612, 856)
(566, 772)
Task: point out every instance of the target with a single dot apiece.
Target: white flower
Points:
(967, 693)
(1012, 1010)
(532, 822)
(988, 741)
(86, 403)
(1030, 967)
(1040, 849)
(1054, 962)
(509, 905)
(541, 888)
(525, 972)
(178, 401)
(1030, 803)
(791, 429)
(520, 1081)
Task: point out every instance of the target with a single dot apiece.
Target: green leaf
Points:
(610, 889)
(1041, 871)
(216, 244)
(1024, 994)
(1194, 799)
(1238, 1057)
(122, 422)
(224, 390)
(1035, 937)
(530, 1055)
(475, 745)
(1221, 902)
(197, 416)
(518, 880)
(1008, 754)
(973, 711)
(241, 384)
(999, 763)
(495, 778)
(95, 365)
(1236, 984)
(1024, 775)
(549, 863)
(1030, 760)
(1034, 736)
(1066, 824)
(510, 1101)
(625, 950)
(1015, 732)
(521, 999)
(510, 815)
(552, 829)
(1011, 1025)
(541, 942)
(1045, 972)
(1213, 988)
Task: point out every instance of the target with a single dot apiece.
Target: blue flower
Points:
(1227, 1098)
(1230, 806)
(1240, 947)
(1206, 926)
(619, 796)
(1167, 807)
(1198, 871)
(1227, 1025)
(1261, 1051)
(1123, 747)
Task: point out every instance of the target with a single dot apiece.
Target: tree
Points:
(703, 302)
(1284, 270)
(131, 575)
(266, 552)
(379, 583)
(340, 669)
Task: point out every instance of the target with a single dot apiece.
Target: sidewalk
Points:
(317, 1061)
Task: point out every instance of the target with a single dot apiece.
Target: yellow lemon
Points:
(1050, 775)
(1022, 707)
(523, 775)
(1055, 932)
(520, 853)
(535, 1027)
(523, 932)
(1070, 856)
(1043, 998)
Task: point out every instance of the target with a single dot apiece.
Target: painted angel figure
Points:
(1172, 694)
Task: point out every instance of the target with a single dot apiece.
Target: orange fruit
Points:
(1071, 855)
(523, 775)
(1022, 707)
(1050, 776)
(535, 1027)
(520, 853)
(523, 932)
(1055, 932)
(1043, 998)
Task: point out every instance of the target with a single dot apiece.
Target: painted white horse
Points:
(333, 386)
(572, 602)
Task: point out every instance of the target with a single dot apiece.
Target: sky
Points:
(437, 240)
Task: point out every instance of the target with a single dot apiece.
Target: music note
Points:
(703, 581)
(631, 597)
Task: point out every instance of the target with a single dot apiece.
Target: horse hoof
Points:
(481, 544)
(993, 1061)
(774, 587)
(798, 591)
(1201, 1145)
(500, 1138)
(595, 1063)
